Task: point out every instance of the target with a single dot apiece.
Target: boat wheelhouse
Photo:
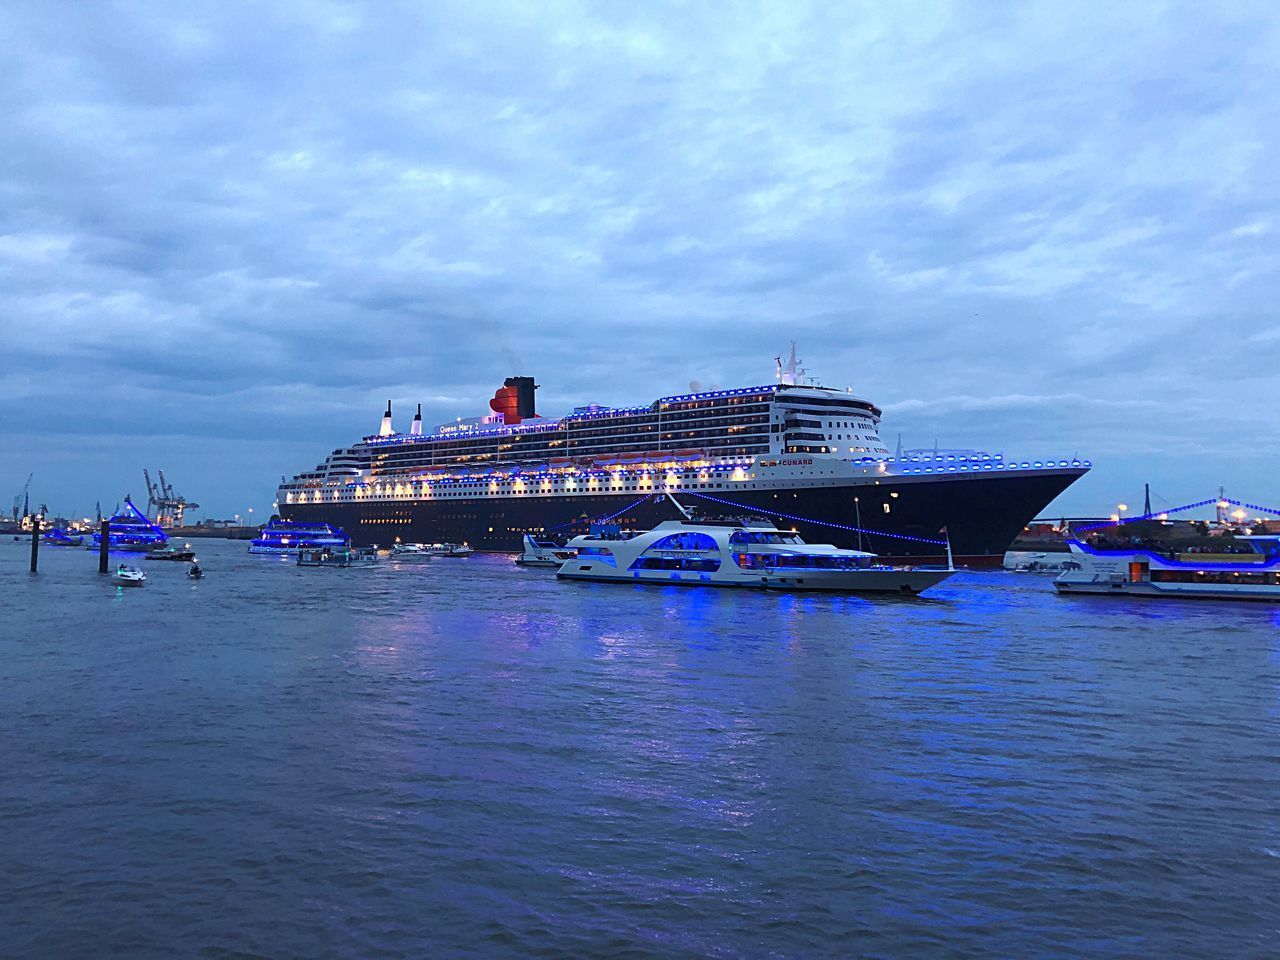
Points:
(793, 451)
(130, 530)
(738, 553)
(288, 537)
(1146, 573)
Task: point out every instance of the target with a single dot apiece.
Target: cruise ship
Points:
(805, 456)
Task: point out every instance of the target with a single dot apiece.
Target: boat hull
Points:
(982, 514)
(895, 581)
(1267, 594)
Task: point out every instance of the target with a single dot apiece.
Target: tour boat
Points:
(1145, 573)
(126, 576)
(543, 553)
(328, 557)
(738, 553)
(287, 537)
(131, 530)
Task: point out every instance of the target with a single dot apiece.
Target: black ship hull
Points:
(982, 515)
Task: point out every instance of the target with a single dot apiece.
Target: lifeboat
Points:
(559, 463)
(684, 456)
(604, 461)
(630, 459)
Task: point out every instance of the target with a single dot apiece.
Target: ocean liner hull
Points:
(899, 516)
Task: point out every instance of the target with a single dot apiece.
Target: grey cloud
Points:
(230, 222)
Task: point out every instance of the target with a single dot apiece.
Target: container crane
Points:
(169, 506)
(23, 498)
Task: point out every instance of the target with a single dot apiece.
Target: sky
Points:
(230, 232)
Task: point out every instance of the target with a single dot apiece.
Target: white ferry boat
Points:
(738, 553)
(1145, 573)
(541, 552)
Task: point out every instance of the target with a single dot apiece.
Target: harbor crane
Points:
(169, 507)
(23, 498)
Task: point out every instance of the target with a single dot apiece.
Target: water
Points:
(464, 758)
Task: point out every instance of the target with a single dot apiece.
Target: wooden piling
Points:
(104, 546)
(35, 543)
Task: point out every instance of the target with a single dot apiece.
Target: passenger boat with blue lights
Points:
(737, 553)
(62, 537)
(804, 455)
(1147, 573)
(130, 530)
(280, 537)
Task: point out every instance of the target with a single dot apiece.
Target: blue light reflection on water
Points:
(462, 757)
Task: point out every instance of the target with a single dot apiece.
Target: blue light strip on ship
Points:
(612, 516)
(1257, 508)
(1147, 516)
(1252, 506)
(821, 523)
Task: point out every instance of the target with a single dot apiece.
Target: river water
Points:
(460, 757)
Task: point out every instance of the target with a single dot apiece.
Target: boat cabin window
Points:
(763, 536)
(688, 540)
(602, 554)
(800, 561)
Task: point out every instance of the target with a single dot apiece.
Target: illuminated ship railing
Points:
(821, 523)
(1164, 514)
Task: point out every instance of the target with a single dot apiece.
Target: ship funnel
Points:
(385, 430)
(416, 429)
(514, 400)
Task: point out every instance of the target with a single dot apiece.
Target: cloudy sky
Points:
(228, 233)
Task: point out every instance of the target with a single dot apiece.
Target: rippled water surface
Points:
(460, 757)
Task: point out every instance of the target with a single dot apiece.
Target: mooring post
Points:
(102, 547)
(35, 543)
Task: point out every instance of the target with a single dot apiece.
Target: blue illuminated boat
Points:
(131, 530)
(61, 537)
(288, 537)
(1147, 573)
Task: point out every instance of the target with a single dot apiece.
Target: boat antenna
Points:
(857, 514)
(679, 506)
(951, 564)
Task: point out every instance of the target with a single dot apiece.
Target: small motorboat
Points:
(184, 555)
(194, 572)
(126, 576)
(543, 553)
